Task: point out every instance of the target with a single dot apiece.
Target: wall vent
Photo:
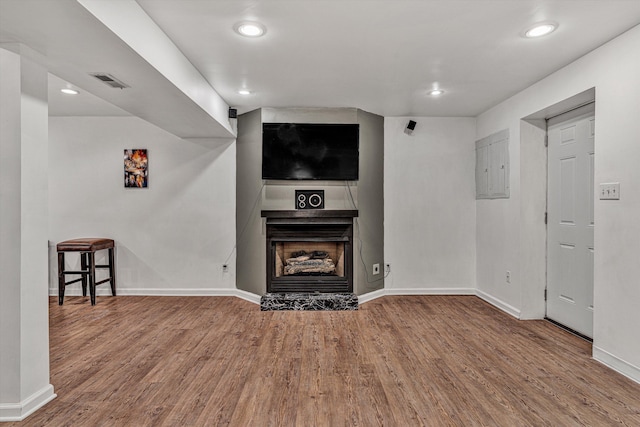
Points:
(108, 79)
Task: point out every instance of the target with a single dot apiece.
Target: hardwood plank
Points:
(398, 361)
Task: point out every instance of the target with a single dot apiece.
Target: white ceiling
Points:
(378, 55)
(83, 104)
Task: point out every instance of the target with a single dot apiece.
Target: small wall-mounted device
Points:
(610, 191)
(309, 199)
(410, 127)
(233, 113)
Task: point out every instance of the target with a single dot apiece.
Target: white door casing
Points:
(570, 200)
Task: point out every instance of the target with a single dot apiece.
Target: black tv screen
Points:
(310, 151)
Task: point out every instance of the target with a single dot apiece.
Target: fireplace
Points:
(309, 251)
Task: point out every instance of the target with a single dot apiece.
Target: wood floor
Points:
(398, 361)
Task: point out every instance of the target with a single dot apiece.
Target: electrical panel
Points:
(492, 166)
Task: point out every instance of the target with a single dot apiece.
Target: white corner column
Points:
(24, 308)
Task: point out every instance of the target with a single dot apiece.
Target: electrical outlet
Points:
(508, 276)
(376, 269)
(387, 268)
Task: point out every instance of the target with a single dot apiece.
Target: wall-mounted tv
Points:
(313, 151)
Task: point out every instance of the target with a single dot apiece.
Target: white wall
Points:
(613, 70)
(171, 238)
(430, 211)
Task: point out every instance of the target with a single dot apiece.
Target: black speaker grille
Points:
(309, 199)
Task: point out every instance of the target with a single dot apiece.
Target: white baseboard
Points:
(430, 291)
(247, 296)
(174, 292)
(414, 291)
(442, 291)
(370, 296)
(627, 369)
(509, 309)
(20, 411)
(168, 292)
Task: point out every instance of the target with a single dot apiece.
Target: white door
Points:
(570, 219)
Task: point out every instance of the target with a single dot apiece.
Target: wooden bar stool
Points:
(87, 248)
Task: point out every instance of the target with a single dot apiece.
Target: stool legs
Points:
(112, 271)
(83, 265)
(92, 276)
(61, 283)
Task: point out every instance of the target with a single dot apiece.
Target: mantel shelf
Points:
(309, 213)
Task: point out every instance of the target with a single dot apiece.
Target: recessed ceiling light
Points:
(244, 92)
(250, 29)
(436, 92)
(541, 29)
(69, 91)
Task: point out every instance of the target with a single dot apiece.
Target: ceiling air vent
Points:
(108, 79)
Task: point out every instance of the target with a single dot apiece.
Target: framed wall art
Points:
(136, 168)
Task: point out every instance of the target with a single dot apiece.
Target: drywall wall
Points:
(173, 237)
(502, 242)
(429, 188)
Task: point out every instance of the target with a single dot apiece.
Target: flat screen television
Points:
(299, 151)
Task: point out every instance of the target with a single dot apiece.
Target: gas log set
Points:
(309, 263)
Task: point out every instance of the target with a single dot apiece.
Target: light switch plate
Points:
(610, 191)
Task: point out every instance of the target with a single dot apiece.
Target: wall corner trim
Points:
(21, 410)
(247, 296)
(370, 296)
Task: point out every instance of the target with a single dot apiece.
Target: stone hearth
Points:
(300, 301)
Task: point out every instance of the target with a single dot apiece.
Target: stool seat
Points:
(87, 247)
(84, 245)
